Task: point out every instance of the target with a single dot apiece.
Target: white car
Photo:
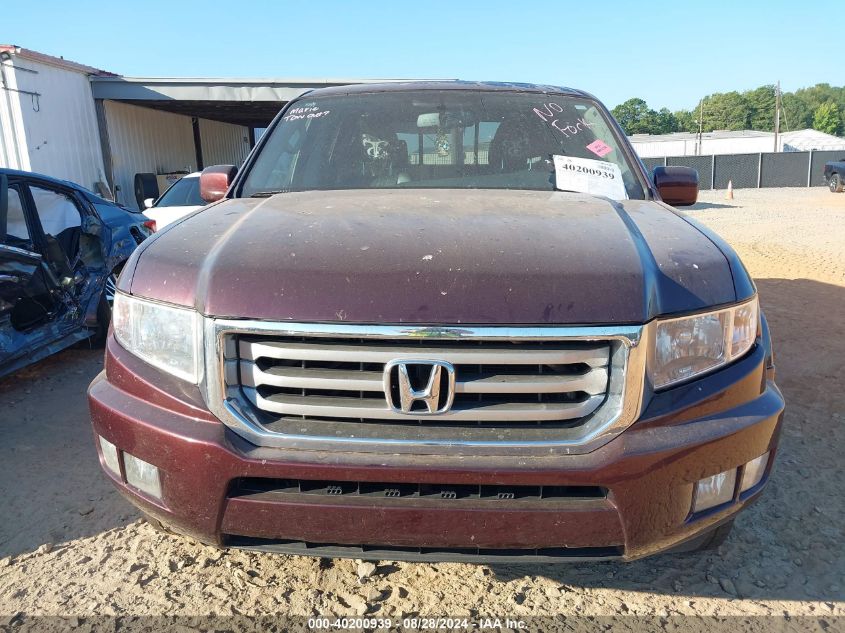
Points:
(178, 200)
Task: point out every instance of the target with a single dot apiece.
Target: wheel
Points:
(105, 306)
(717, 537)
(111, 288)
(146, 186)
(835, 184)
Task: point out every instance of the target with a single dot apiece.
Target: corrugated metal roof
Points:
(804, 140)
(236, 81)
(691, 136)
(61, 62)
(732, 141)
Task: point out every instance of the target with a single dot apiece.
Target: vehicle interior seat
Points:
(57, 255)
(386, 159)
(511, 147)
(401, 162)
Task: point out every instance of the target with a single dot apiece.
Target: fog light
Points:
(714, 491)
(142, 475)
(109, 451)
(753, 473)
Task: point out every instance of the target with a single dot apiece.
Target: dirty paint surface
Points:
(436, 257)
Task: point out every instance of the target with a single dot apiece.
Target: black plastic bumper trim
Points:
(426, 554)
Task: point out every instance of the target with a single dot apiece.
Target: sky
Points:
(668, 53)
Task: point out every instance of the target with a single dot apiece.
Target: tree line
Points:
(821, 107)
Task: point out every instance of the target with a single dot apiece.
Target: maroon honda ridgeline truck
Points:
(440, 321)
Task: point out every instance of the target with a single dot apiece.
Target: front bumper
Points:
(222, 490)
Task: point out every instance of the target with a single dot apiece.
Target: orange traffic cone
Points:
(730, 194)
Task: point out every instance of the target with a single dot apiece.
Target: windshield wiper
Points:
(267, 194)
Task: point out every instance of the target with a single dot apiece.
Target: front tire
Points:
(835, 184)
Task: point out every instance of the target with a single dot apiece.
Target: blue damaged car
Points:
(61, 249)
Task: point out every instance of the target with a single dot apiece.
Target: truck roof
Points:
(455, 84)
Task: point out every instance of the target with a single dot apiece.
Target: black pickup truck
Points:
(834, 175)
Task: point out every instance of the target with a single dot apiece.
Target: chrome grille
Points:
(528, 390)
(496, 382)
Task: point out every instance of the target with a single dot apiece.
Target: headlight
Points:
(163, 335)
(690, 346)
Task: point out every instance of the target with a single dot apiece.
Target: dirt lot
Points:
(69, 545)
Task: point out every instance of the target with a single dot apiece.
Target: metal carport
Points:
(99, 129)
(247, 102)
(187, 123)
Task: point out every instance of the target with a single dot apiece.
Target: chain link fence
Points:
(702, 164)
(818, 160)
(768, 169)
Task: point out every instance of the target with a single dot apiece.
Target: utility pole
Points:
(700, 124)
(777, 114)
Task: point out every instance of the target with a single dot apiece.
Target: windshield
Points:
(185, 192)
(443, 139)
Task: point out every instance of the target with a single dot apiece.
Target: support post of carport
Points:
(195, 123)
(105, 145)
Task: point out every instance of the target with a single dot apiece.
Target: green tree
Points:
(800, 106)
(827, 118)
(761, 108)
(634, 116)
(748, 110)
(685, 121)
(726, 111)
(664, 122)
(797, 113)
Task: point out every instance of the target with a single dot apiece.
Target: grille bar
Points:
(299, 378)
(593, 355)
(376, 408)
(593, 382)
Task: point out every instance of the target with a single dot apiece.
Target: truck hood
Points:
(435, 257)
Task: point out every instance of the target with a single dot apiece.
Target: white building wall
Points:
(751, 145)
(659, 149)
(146, 140)
(223, 143)
(687, 147)
(54, 133)
(13, 153)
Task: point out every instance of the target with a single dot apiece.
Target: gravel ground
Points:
(71, 546)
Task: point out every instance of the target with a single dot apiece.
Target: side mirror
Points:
(677, 186)
(148, 203)
(215, 181)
